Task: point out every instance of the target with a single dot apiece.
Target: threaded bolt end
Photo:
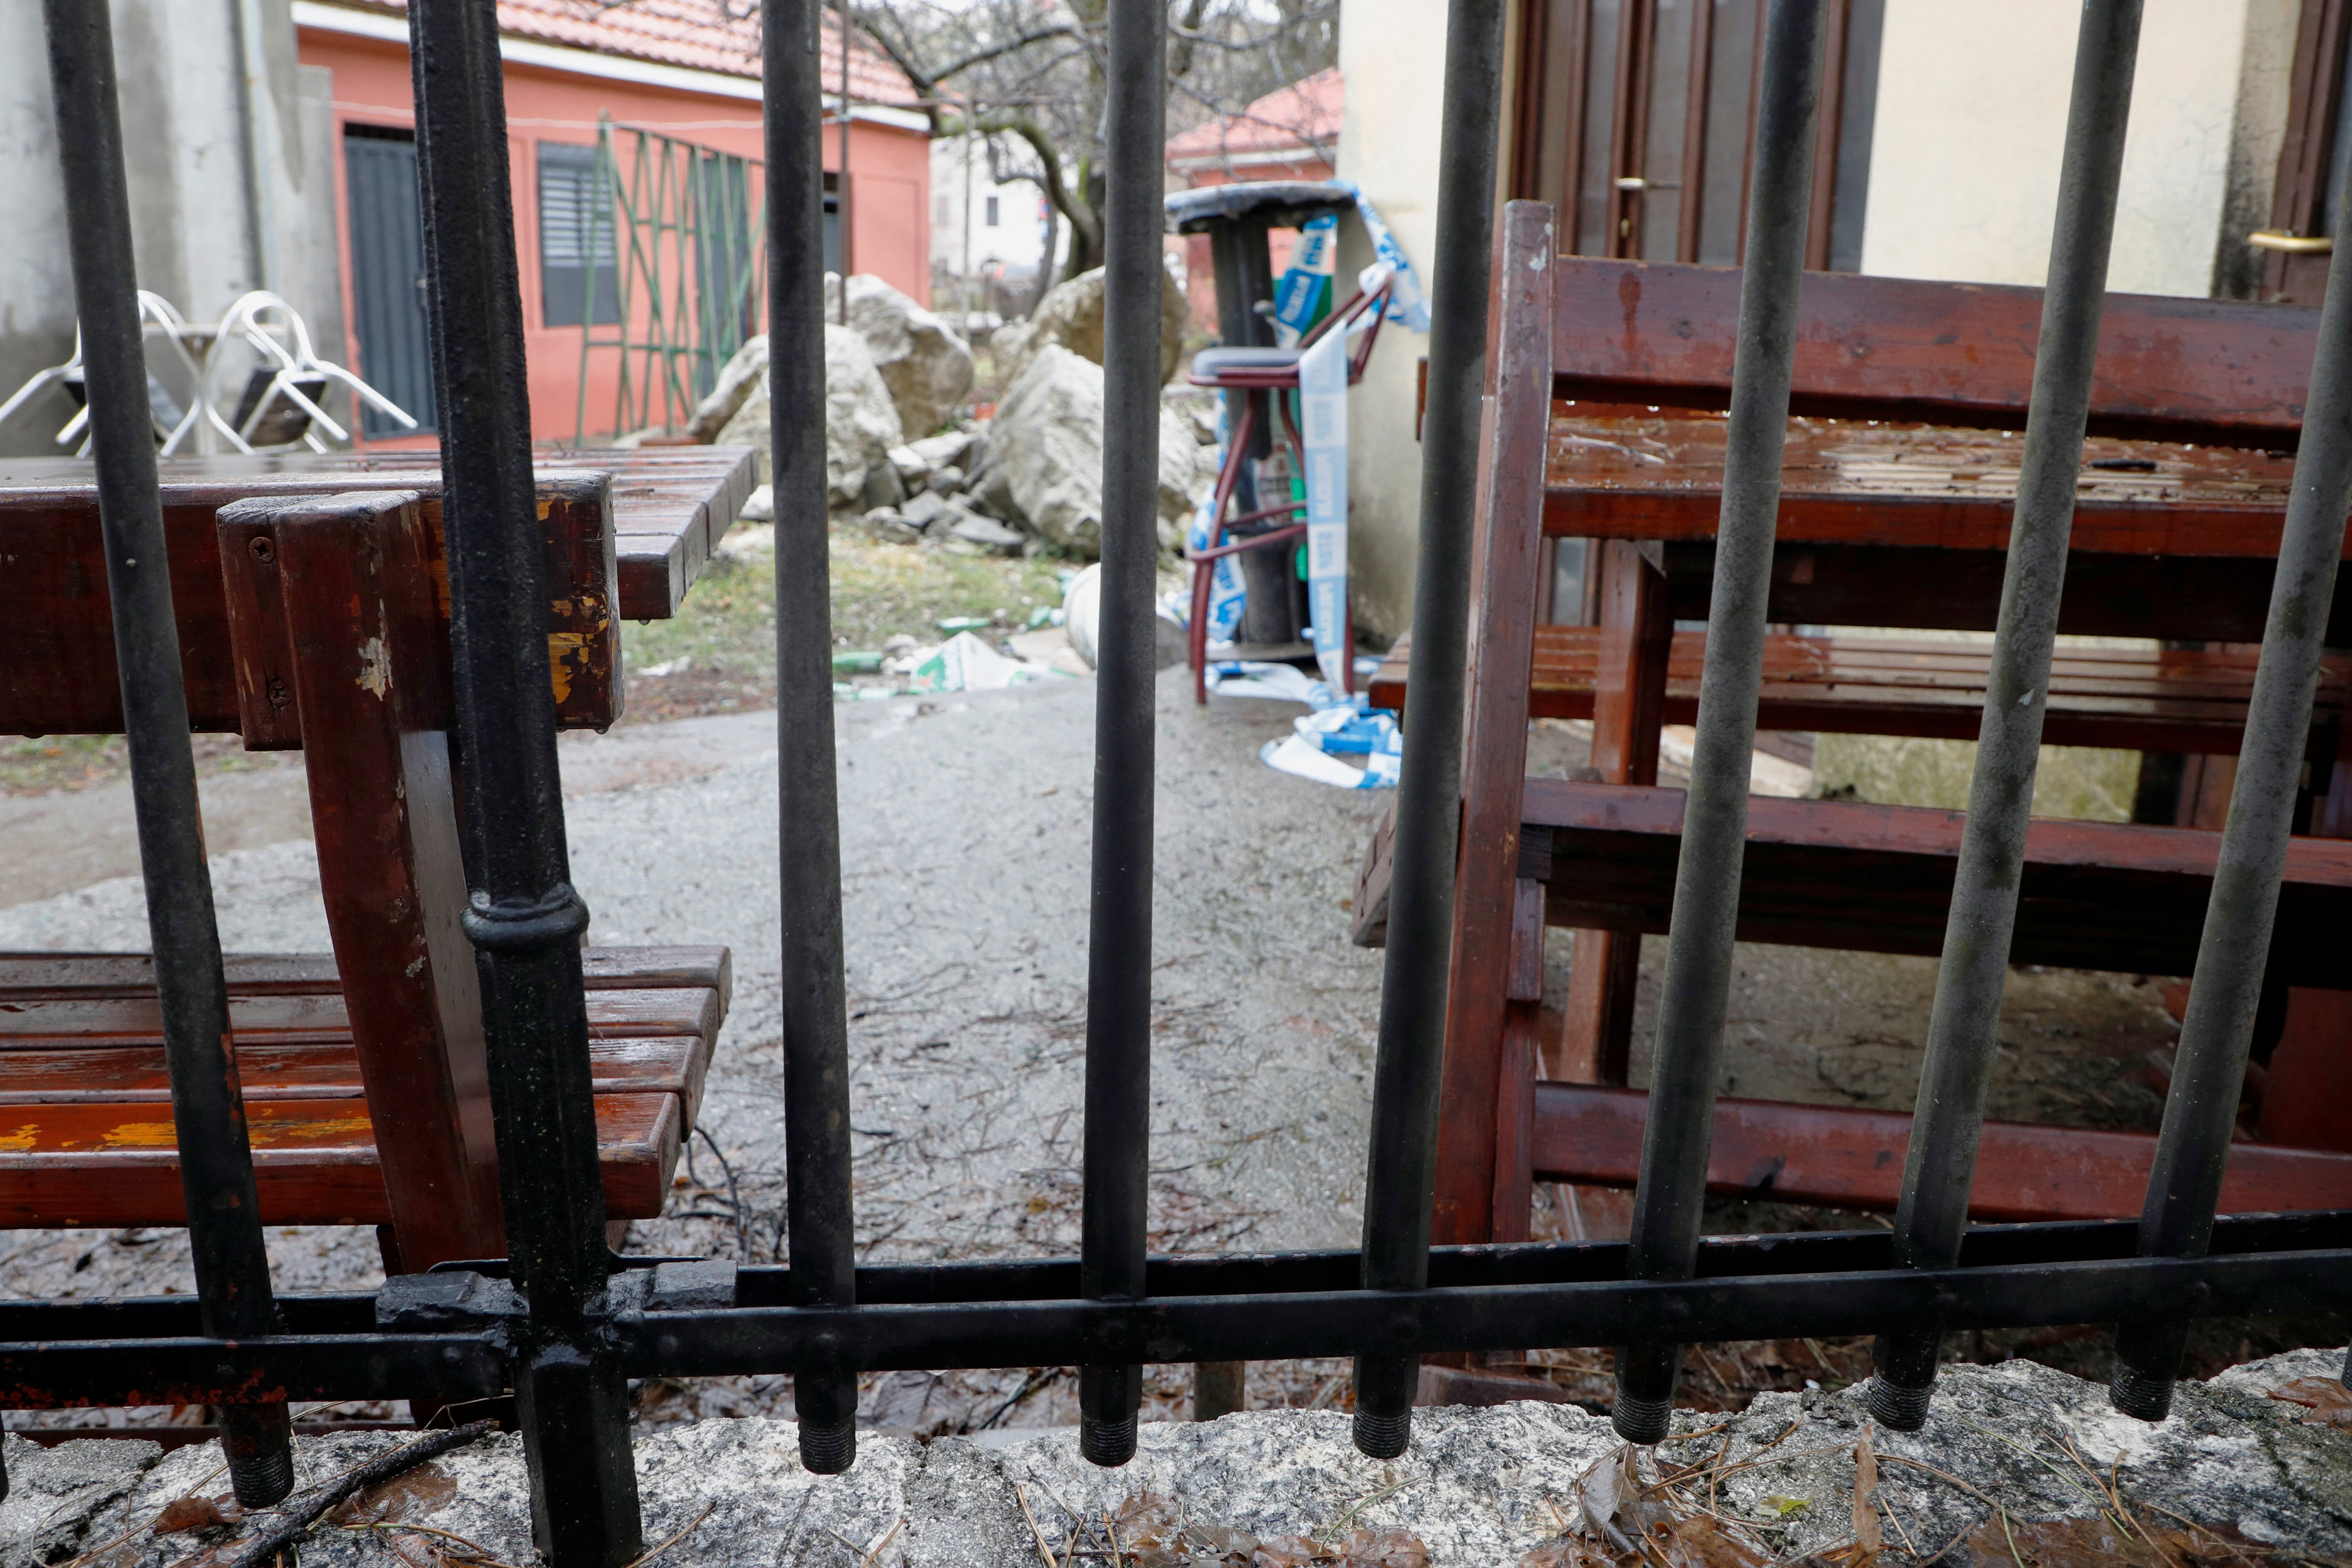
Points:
(830, 1448)
(1379, 1436)
(1109, 1444)
(2144, 1396)
(1897, 1406)
(1641, 1420)
(262, 1479)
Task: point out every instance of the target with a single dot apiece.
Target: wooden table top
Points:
(625, 538)
(1850, 483)
(671, 505)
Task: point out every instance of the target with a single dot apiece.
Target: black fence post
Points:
(1963, 1030)
(2185, 1183)
(1401, 1177)
(1119, 937)
(1669, 1204)
(232, 1265)
(523, 917)
(821, 1233)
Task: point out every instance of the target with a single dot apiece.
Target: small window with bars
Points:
(575, 238)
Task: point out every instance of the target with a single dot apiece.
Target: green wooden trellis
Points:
(691, 272)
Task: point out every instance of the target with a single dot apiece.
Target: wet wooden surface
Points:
(2150, 698)
(2209, 371)
(623, 547)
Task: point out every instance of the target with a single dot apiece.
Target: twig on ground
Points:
(1044, 1550)
(297, 1522)
(650, 1553)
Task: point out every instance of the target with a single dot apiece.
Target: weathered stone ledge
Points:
(1479, 1487)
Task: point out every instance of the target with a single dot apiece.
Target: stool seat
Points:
(1210, 364)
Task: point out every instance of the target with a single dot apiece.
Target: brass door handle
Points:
(2292, 244)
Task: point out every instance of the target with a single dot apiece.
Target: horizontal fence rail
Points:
(563, 1325)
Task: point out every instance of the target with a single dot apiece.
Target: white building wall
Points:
(1389, 140)
(179, 81)
(1972, 116)
(964, 242)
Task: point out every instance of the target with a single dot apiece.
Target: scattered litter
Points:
(967, 624)
(1338, 726)
(1294, 754)
(761, 507)
(856, 663)
(677, 666)
(964, 663)
(1278, 682)
(1044, 616)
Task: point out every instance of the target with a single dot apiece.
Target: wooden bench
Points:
(2140, 698)
(313, 611)
(1881, 525)
(81, 1073)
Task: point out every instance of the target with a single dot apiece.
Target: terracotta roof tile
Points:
(721, 36)
(1301, 118)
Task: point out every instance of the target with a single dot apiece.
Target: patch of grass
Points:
(37, 767)
(727, 626)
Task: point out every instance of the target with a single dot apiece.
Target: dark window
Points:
(388, 275)
(992, 212)
(575, 237)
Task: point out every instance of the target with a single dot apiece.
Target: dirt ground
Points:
(964, 831)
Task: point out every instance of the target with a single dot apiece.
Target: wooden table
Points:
(623, 548)
(1907, 525)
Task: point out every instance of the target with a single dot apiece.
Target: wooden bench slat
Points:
(136, 1075)
(2143, 699)
(56, 976)
(1849, 1158)
(1877, 878)
(1893, 348)
(314, 1163)
(325, 1020)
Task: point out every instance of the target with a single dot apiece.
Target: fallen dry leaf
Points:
(1867, 1541)
(1388, 1549)
(182, 1514)
(2328, 1400)
(2097, 1542)
(1288, 1551)
(1698, 1542)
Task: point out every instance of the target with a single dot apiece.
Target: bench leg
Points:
(1628, 711)
(2307, 1097)
(332, 608)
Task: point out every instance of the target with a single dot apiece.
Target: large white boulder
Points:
(1070, 316)
(1048, 439)
(924, 362)
(743, 375)
(861, 423)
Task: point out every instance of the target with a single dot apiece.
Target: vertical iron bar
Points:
(822, 1230)
(1401, 1174)
(841, 179)
(1118, 939)
(523, 917)
(1669, 1204)
(1963, 1030)
(2200, 1112)
(232, 1265)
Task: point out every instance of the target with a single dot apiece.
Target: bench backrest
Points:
(2206, 371)
(57, 674)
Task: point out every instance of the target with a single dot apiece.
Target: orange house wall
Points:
(889, 205)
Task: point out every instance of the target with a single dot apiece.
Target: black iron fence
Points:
(564, 1325)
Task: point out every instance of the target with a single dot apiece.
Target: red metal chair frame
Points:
(1284, 379)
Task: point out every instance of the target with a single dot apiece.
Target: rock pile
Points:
(2018, 1464)
(897, 458)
